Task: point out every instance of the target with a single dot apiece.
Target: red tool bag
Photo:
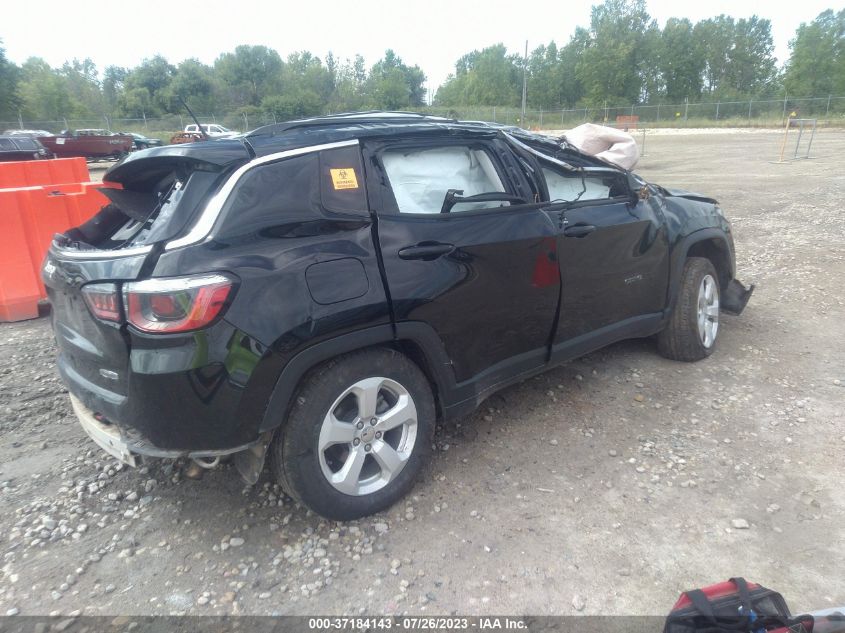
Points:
(735, 606)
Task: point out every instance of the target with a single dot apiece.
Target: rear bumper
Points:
(107, 436)
(128, 449)
(735, 297)
(174, 396)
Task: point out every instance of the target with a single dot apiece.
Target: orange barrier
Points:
(29, 218)
(627, 122)
(33, 173)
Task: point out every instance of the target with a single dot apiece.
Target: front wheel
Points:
(693, 325)
(357, 435)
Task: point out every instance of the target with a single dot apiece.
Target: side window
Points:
(421, 178)
(25, 143)
(6, 143)
(282, 193)
(569, 187)
(342, 181)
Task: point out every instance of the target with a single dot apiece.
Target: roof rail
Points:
(347, 118)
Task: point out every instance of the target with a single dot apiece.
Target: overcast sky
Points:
(430, 33)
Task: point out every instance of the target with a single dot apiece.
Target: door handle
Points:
(426, 252)
(579, 230)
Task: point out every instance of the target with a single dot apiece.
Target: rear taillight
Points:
(177, 304)
(103, 300)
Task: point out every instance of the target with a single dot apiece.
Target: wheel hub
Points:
(708, 310)
(367, 436)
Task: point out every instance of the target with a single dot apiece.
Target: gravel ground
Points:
(606, 486)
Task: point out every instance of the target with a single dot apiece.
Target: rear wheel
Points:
(694, 324)
(358, 433)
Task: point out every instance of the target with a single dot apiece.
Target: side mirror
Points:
(638, 188)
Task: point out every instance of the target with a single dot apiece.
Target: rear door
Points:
(482, 274)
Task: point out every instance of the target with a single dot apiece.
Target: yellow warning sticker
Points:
(344, 178)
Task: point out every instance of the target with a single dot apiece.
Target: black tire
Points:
(680, 339)
(294, 452)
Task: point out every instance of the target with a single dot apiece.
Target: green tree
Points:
(44, 93)
(147, 88)
(486, 77)
(681, 61)
(83, 85)
(194, 82)
(572, 89)
(648, 64)
(816, 65)
(349, 79)
(611, 65)
(545, 83)
(249, 73)
(715, 38)
(9, 101)
(751, 64)
(114, 78)
(737, 56)
(393, 85)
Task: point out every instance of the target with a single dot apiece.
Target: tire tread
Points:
(291, 448)
(679, 340)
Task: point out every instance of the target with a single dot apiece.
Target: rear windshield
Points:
(153, 211)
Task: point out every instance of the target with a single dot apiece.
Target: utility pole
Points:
(524, 82)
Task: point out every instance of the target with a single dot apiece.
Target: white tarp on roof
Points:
(607, 143)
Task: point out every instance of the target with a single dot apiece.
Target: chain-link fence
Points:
(751, 113)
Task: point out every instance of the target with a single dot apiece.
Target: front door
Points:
(482, 273)
(613, 260)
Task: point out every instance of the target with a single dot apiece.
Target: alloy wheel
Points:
(367, 436)
(708, 311)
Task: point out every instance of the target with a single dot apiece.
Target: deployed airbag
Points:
(607, 143)
(570, 188)
(421, 178)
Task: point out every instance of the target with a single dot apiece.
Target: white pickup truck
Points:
(213, 130)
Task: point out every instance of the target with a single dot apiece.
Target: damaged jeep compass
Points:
(321, 292)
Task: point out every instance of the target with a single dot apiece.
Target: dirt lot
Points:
(606, 486)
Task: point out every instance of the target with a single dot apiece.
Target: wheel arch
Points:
(416, 340)
(712, 244)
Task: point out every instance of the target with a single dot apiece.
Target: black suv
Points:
(325, 290)
(15, 148)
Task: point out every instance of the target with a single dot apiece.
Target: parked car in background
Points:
(95, 144)
(186, 137)
(324, 291)
(28, 133)
(213, 130)
(22, 148)
(139, 141)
